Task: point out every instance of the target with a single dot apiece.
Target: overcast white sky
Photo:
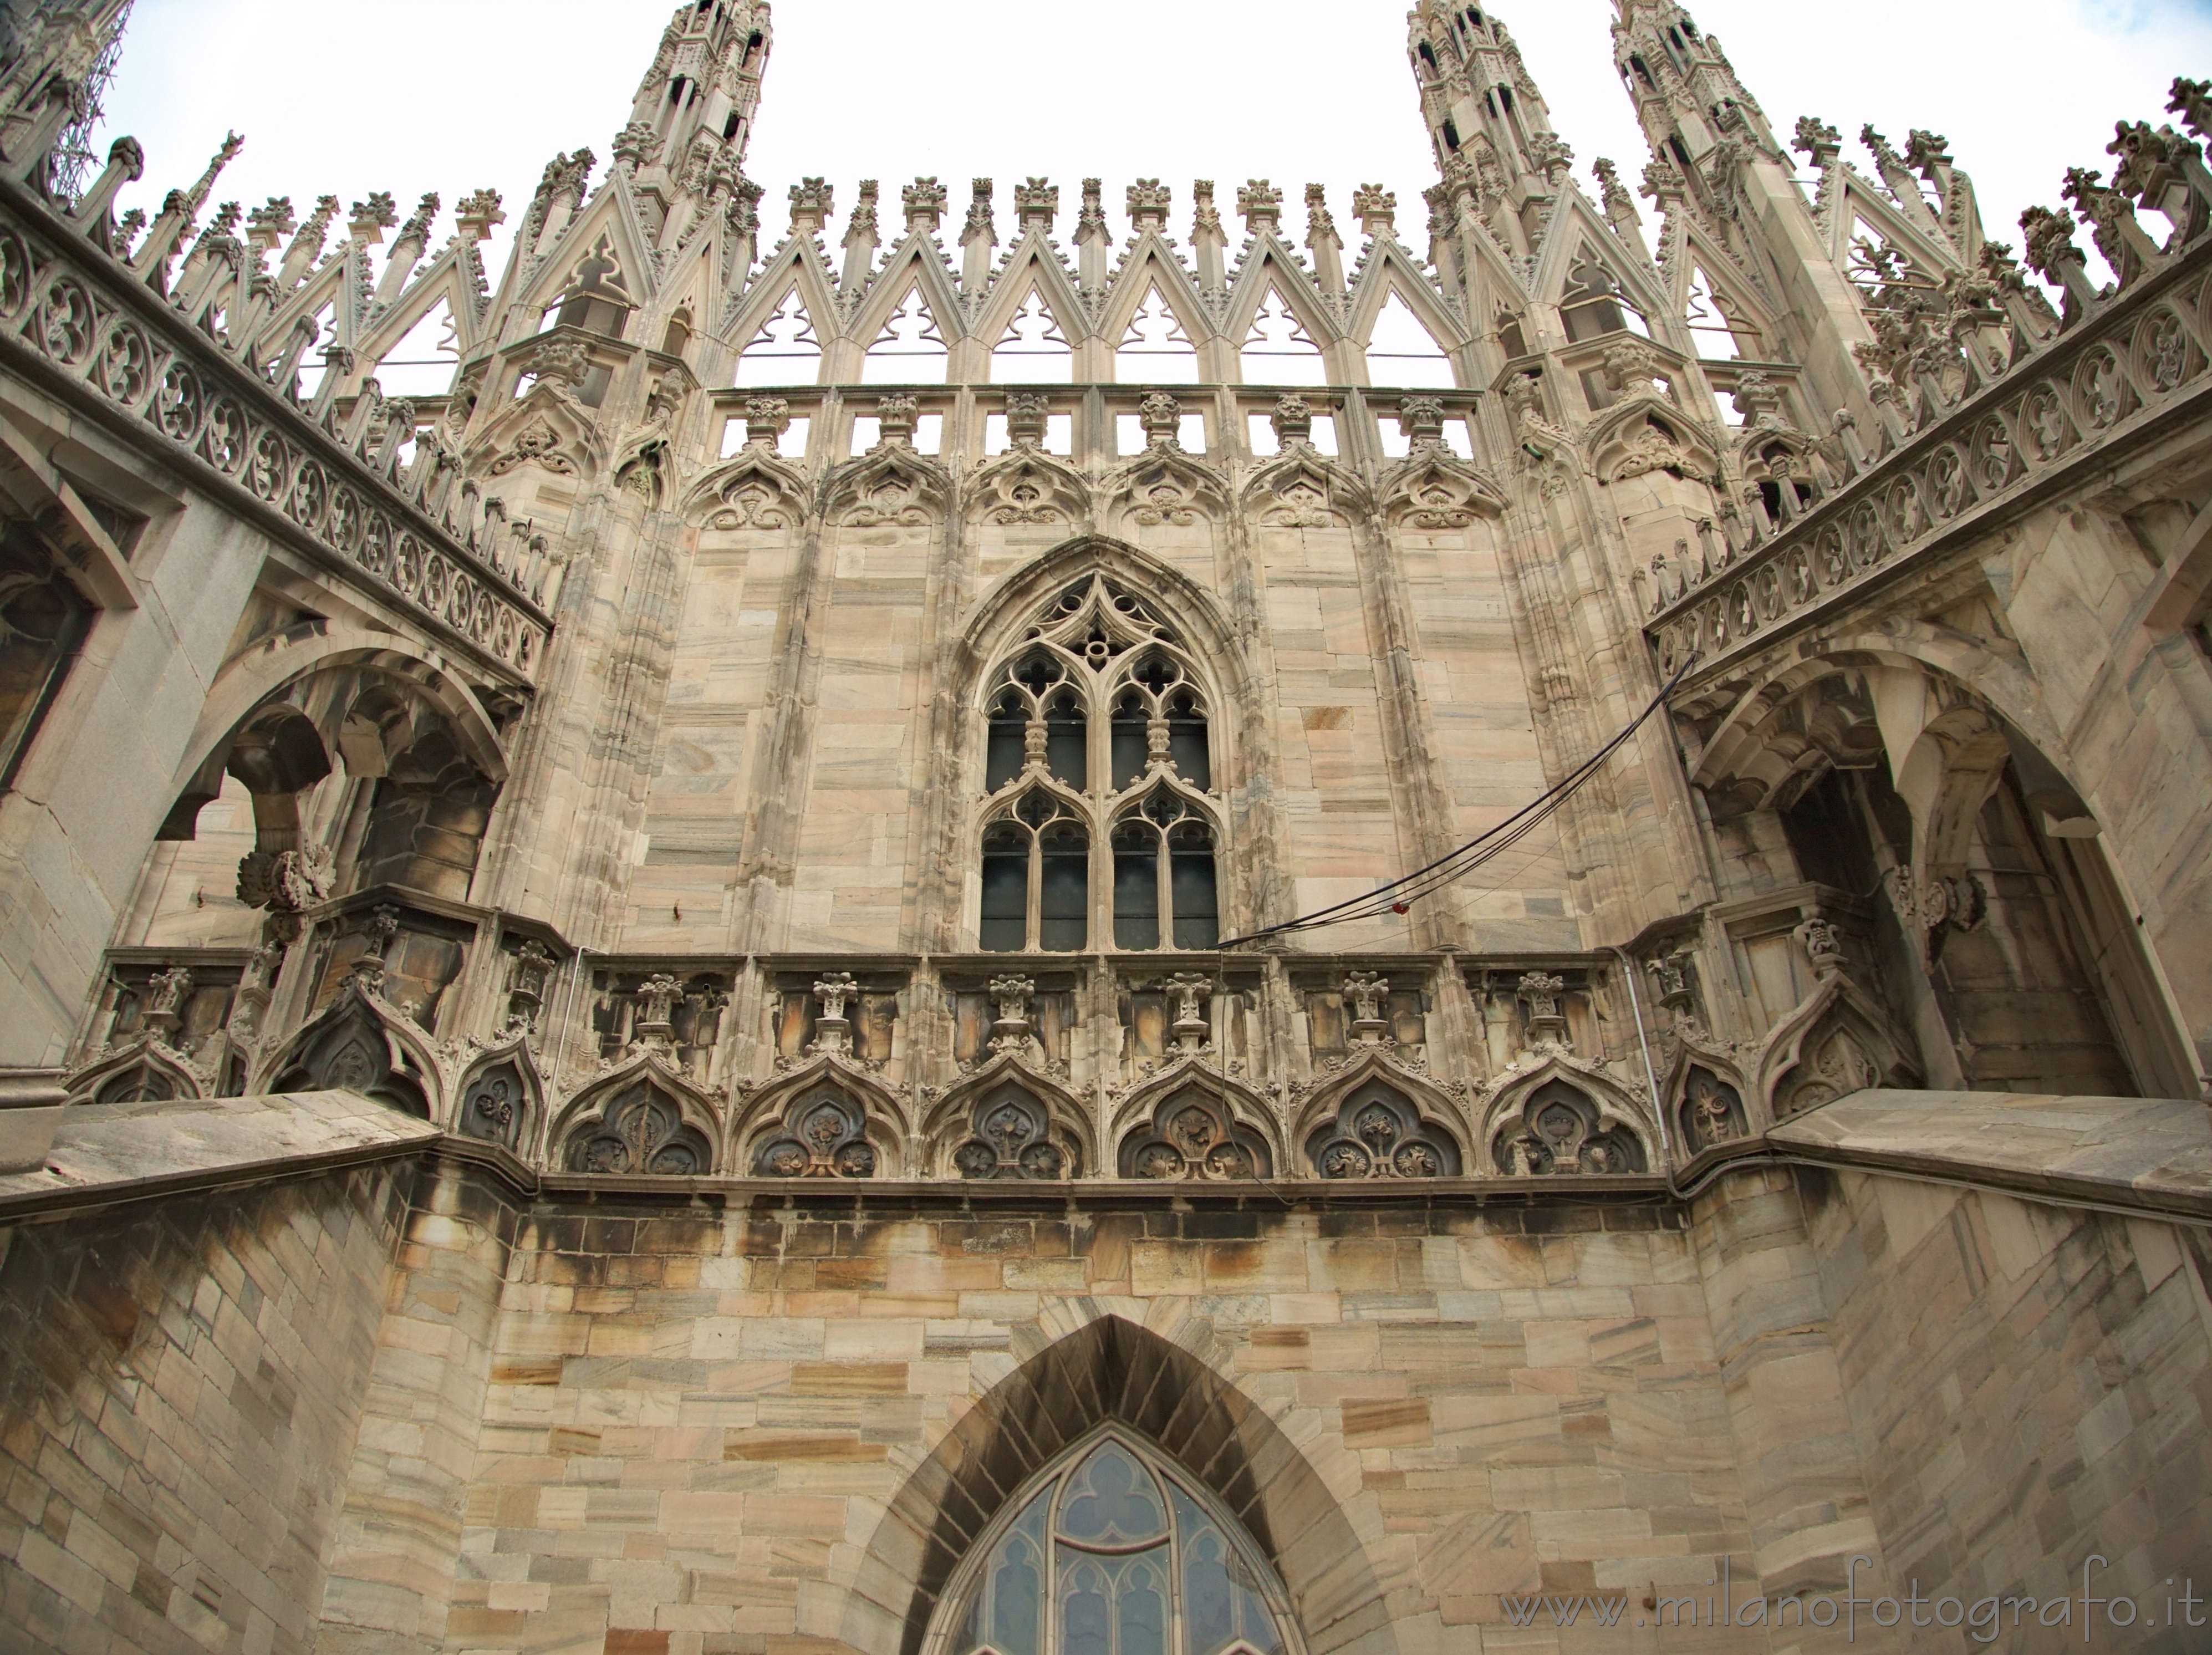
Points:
(412, 95)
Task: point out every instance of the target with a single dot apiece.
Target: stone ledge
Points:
(104, 1154)
(2148, 1154)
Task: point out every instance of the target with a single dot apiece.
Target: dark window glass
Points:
(1197, 915)
(1064, 918)
(1003, 755)
(1064, 752)
(1187, 743)
(1136, 889)
(43, 621)
(1128, 743)
(1004, 927)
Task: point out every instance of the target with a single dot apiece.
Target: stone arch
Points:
(1111, 1372)
(1303, 488)
(143, 1073)
(1838, 1041)
(358, 1045)
(1610, 1123)
(501, 1100)
(794, 1111)
(964, 1116)
(645, 1118)
(1645, 433)
(1418, 1114)
(1191, 1121)
(278, 667)
(754, 489)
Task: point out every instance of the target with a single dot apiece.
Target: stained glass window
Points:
(1115, 1555)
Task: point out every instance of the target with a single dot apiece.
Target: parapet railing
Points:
(1971, 439)
(74, 316)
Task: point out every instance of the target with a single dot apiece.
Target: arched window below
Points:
(1037, 880)
(1116, 1554)
(643, 1131)
(1164, 885)
(1010, 1136)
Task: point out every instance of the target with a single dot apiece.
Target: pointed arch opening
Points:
(1032, 350)
(1098, 767)
(422, 362)
(910, 350)
(1155, 348)
(911, 1591)
(1116, 1551)
(785, 350)
(1719, 329)
(1400, 352)
(1278, 349)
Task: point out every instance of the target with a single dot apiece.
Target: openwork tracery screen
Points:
(1099, 820)
(1116, 1555)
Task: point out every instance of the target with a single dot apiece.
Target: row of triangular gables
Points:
(1271, 305)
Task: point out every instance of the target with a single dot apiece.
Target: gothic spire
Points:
(693, 117)
(1485, 118)
(1688, 99)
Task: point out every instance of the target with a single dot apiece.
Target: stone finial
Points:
(2047, 244)
(923, 201)
(1148, 201)
(1547, 1020)
(637, 145)
(1613, 194)
(1161, 416)
(1011, 995)
(1925, 151)
(526, 994)
(1819, 141)
(1027, 414)
(1421, 423)
(833, 1029)
(1670, 978)
(979, 213)
(268, 225)
(896, 415)
(369, 219)
(1663, 183)
(1189, 992)
(1552, 155)
(1293, 419)
(1321, 224)
(1759, 400)
(1090, 223)
(1631, 366)
(478, 214)
(1261, 204)
(812, 204)
(767, 418)
(417, 227)
(1036, 202)
(2192, 101)
(1376, 209)
(1205, 218)
(1823, 945)
(860, 227)
(1365, 992)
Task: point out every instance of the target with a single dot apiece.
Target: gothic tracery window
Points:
(1098, 772)
(1116, 1555)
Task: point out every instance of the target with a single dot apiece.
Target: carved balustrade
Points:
(75, 319)
(2136, 359)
